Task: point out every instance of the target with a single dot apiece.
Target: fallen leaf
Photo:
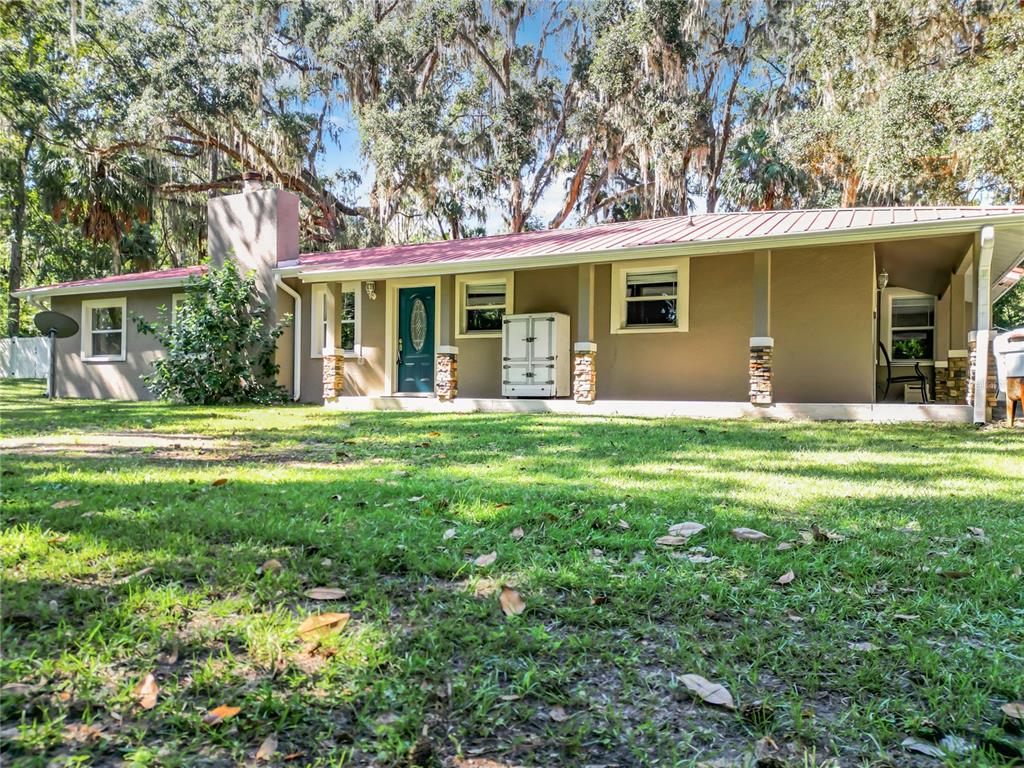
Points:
(749, 534)
(449, 534)
(823, 536)
(293, 756)
(710, 693)
(223, 712)
(905, 616)
(81, 732)
(270, 566)
(785, 578)
(517, 533)
(484, 560)
(686, 529)
(325, 593)
(862, 647)
(18, 689)
(433, 434)
(268, 748)
(65, 504)
(975, 531)
(671, 541)
(322, 624)
(219, 482)
(1014, 709)
(558, 714)
(924, 747)
(511, 603)
(146, 691)
(698, 558)
(623, 525)
(414, 499)
(782, 546)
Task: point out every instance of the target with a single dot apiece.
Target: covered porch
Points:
(784, 333)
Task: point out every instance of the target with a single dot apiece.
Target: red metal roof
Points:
(718, 227)
(626, 235)
(182, 273)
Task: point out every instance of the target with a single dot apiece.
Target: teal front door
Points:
(416, 339)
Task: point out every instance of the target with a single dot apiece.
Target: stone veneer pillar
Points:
(761, 350)
(992, 383)
(334, 373)
(584, 372)
(446, 373)
(951, 378)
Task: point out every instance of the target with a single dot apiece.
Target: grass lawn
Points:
(124, 556)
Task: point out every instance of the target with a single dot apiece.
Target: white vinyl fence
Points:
(24, 358)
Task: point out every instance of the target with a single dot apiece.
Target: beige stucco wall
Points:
(707, 362)
(364, 376)
(110, 380)
(535, 290)
(822, 323)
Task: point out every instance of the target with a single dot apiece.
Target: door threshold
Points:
(413, 394)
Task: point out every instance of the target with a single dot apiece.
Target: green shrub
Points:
(219, 344)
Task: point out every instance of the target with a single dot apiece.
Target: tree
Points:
(1008, 312)
(757, 176)
(219, 344)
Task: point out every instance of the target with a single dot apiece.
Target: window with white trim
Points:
(650, 296)
(103, 329)
(348, 319)
(483, 300)
(912, 328)
(322, 320)
(176, 299)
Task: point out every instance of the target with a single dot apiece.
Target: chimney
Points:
(252, 181)
(258, 228)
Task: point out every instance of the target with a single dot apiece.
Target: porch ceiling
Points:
(923, 264)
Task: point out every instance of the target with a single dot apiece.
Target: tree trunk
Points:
(17, 241)
(574, 189)
(850, 185)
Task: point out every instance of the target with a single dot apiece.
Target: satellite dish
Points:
(57, 323)
(54, 325)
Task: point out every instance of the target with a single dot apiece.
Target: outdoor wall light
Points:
(371, 290)
(883, 279)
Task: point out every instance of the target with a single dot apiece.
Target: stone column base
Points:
(951, 378)
(584, 372)
(446, 373)
(761, 352)
(992, 382)
(334, 373)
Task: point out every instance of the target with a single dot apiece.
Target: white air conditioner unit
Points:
(535, 359)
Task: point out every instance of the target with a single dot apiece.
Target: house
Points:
(777, 313)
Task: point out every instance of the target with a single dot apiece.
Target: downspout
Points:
(982, 341)
(296, 345)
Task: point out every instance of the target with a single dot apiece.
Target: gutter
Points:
(983, 335)
(296, 346)
(116, 287)
(309, 273)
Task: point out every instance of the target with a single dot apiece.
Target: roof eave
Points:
(111, 287)
(311, 274)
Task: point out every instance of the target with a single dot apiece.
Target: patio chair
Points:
(917, 377)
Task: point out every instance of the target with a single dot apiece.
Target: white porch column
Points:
(584, 359)
(446, 360)
(981, 387)
(762, 344)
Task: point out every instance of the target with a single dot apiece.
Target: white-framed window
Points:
(912, 329)
(650, 296)
(322, 320)
(482, 301)
(176, 299)
(349, 323)
(103, 329)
